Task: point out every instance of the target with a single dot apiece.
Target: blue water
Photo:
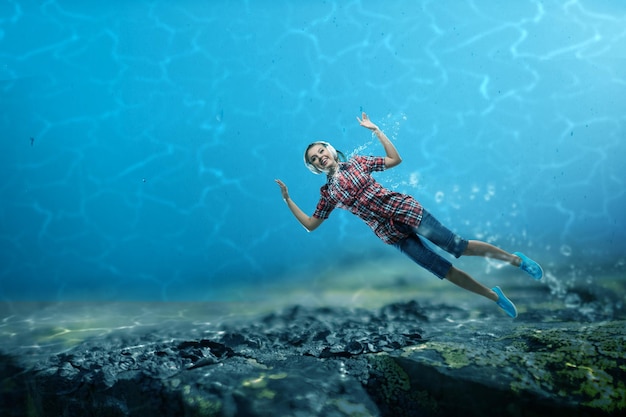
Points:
(140, 140)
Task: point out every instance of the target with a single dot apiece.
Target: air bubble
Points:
(572, 301)
(566, 250)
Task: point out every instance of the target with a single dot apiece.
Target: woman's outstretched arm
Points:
(392, 157)
(310, 223)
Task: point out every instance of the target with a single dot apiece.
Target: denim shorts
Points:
(416, 246)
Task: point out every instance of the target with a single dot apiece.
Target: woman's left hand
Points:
(366, 122)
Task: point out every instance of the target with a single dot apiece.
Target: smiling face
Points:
(320, 157)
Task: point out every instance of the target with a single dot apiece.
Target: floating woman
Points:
(396, 218)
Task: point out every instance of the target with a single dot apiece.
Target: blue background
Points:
(140, 140)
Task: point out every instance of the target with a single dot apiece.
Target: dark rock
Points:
(402, 360)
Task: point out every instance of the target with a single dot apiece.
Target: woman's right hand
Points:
(310, 223)
(366, 122)
(283, 189)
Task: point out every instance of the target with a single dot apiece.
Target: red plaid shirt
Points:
(353, 188)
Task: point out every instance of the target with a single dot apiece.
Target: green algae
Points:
(259, 384)
(395, 389)
(350, 409)
(455, 356)
(580, 364)
(198, 405)
(395, 378)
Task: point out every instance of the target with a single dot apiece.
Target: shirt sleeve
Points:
(372, 163)
(324, 206)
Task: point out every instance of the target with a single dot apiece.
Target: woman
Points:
(398, 219)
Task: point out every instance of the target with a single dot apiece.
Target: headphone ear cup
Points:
(331, 149)
(313, 169)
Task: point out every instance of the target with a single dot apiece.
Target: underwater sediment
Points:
(402, 359)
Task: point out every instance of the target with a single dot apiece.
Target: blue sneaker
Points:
(504, 303)
(529, 266)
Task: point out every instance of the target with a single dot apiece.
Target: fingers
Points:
(281, 184)
(283, 189)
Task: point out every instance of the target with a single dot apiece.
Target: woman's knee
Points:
(470, 249)
(454, 274)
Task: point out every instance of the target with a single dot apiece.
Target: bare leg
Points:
(484, 249)
(463, 280)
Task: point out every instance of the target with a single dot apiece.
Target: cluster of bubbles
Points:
(390, 125)
(574, 286)
(490, 192)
